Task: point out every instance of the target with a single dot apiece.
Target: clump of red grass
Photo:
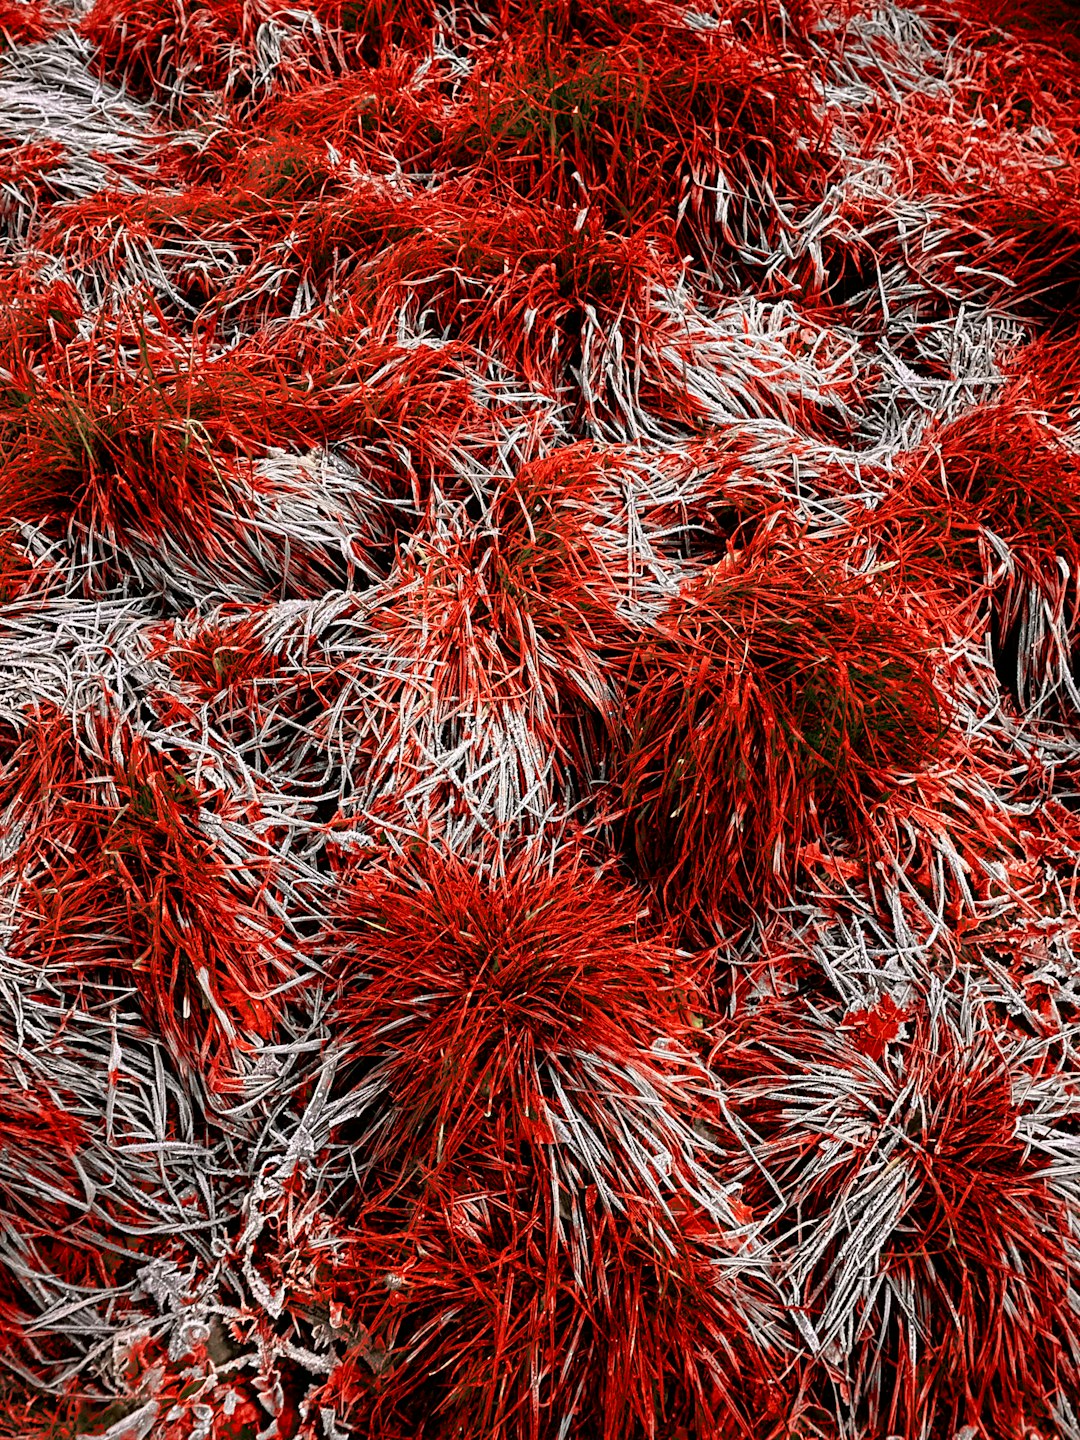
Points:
(224, 673)
(121, 882)
(220, 661)
(1032, 239)
(42, 1136)
(554, 580)
(25, 170)
(39, 317)
(177, 55)
(472, 698)
(183, 56)
(188, 57)
(776, 698)
(987, 511)
(501, 631)
(637, 119)
(517, 281)
(228, 188)
(367, 116)
(997, 467)
(124, 445)
(1032, 30)
(26, 22)
(229, 170)
(119, 449)
(929, 1237)
(369, 33)
(116, 464)
(509, 1035)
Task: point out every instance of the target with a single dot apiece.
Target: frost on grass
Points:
(538, 737)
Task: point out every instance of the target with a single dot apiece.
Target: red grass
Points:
(40, 1179)
(554, 579)
(184, 55)
(998, 467)
(220, 661)
(368, 116)
(121, 451)
(25, 168)
(930, 1232)
(116, 461)
(26, 22)
(515, 280)
(775, 698)
(190, 56)
(370, 32)
(539, 575)
(123, 443)
(1015, 475)
(988, 513)
(120, 882)
(504, 1033)
(38, 318)
(474, 639)
(644, 117)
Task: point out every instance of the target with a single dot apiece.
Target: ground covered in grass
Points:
(539, 720)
